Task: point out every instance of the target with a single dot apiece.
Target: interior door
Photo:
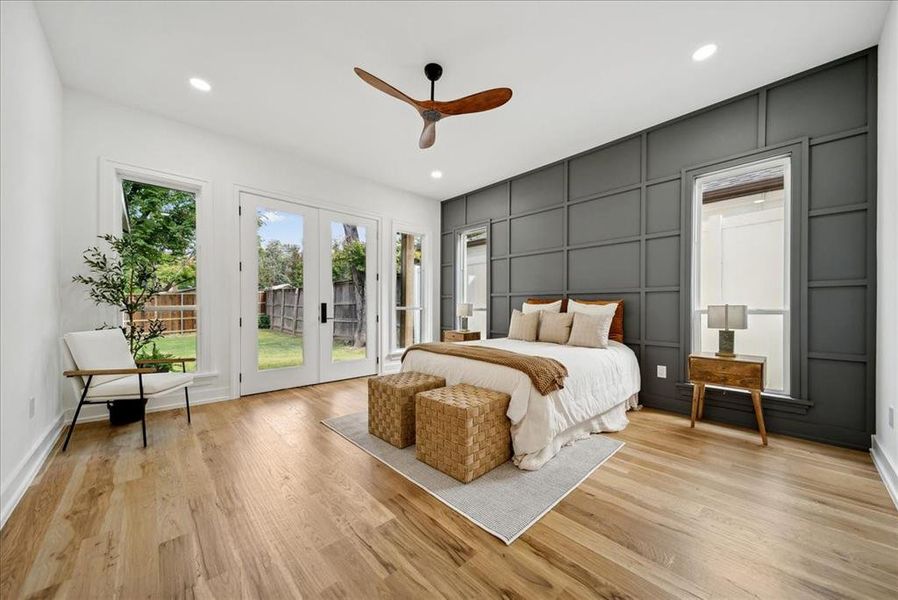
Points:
(279, 339)
(348, 288)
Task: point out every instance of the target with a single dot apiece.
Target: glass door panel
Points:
(348, 296)
(278, 275)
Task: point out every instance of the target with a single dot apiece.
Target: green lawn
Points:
(276, 349)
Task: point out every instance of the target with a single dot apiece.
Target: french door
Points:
(308, 295)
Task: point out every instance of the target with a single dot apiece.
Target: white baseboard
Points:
(887, 470)
(25, 472)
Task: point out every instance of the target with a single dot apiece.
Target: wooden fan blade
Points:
(385, 87)
(478, 102)
(428, 135)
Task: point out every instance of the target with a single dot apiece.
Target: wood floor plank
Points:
(257, 499)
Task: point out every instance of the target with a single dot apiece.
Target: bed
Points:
(601, 386)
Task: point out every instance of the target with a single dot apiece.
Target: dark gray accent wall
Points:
(614, 222)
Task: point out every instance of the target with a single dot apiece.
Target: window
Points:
(741, 256)
(472, 265)
(408, 309)
(163, 221)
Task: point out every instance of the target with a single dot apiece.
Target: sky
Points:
(287, 227)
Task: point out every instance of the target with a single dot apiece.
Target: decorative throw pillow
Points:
(591, 309)
(554, 327)
(590, 331)
(534, 307)
(523, 327)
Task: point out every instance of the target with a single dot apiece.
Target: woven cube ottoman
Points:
(462, 430)
(391, 405)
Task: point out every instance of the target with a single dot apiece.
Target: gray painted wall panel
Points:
(723, 131)
(662, 316)
(611, 267)
(662, 207)
(836, 320)
(453, 214)
(605, 169)
(838, 246)
(447, 249)
(605, 218)
(839, 172)
(488, 204)
(537, 273)
(828, 101)
(662, 262)
(651, 271)
(499, 275)
(447, 273)
(537, 232)
(499, 238)
(538, 190)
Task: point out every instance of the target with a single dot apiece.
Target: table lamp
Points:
(465, 310)
(726, 318)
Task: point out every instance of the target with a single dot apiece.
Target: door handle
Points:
(324, 312)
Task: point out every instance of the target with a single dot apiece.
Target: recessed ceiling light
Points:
(759, 201)
(705, 52)
(200, 84)
(436, 174)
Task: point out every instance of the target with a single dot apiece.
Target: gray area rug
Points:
(506, 501)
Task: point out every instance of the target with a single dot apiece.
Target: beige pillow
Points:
(535, 307)
(592, 310)
(590, 331)
(554, 327)
(523, 327)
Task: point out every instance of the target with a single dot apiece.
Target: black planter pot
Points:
(122, 412)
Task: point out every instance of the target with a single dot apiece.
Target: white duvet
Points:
(596, 393)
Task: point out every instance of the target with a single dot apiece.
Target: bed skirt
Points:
(614, 419)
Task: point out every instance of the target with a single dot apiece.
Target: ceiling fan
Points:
(432, 110)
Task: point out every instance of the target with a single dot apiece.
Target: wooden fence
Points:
(176, 310)
(284, 307)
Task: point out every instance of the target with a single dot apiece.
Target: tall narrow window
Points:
(408, 311)
(163, 222)
(472, 265)
(741, 256)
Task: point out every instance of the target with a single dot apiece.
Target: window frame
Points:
(461, 288)
(400, 228)
(112, 210)
(696, 311)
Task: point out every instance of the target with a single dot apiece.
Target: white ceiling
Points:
(582, 73)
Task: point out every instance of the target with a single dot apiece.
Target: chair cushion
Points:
(128, 387)
(100, 349)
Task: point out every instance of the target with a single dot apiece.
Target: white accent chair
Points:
(100, 366)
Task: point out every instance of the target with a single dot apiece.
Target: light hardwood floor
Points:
(257, 499)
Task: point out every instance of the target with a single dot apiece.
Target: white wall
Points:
(885, 442)
(30, 152)
(95, 129)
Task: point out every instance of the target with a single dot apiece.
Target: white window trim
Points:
(393, 354)
(111, 208)
(696, 310)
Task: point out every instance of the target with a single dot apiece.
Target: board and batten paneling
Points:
(615, 222)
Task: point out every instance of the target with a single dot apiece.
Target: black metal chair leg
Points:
(187, 399)
(143, 415)
(77, 411)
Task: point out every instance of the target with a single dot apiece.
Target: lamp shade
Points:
(465, 309)
(727, 316)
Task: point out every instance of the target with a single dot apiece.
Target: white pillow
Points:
(590, 331)
(593, 310)
(530, 307)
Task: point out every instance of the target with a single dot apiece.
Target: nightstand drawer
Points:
(726, 372)
(460, 336)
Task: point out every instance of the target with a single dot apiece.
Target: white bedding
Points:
(600, 387)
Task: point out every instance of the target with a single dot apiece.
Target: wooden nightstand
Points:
(742, 371)
(460, 336)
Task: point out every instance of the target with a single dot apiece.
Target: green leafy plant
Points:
(126, 278)
(264, 322)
